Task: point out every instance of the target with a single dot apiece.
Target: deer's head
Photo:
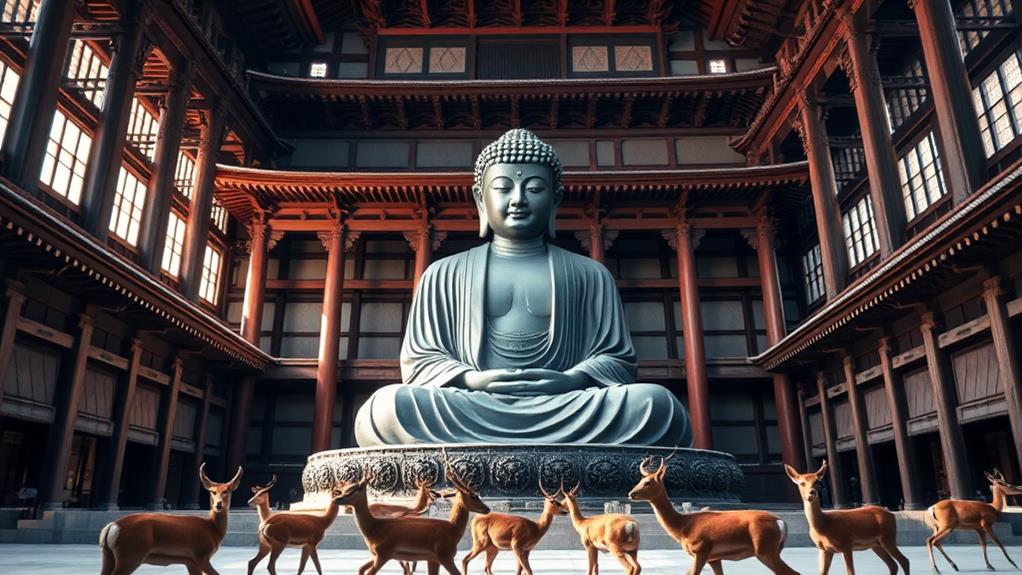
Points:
(463, 493)
(997, 481)
(219, 493)
(570, 496)
(652, 483)
(261, 495)
(550, 502)
(806, 482)
(350, 493)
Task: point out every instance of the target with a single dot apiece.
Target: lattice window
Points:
(998, 101)
(175, 244)
(218, 215)
(849, 165)
(812, 265)
(318, 70)
(126, 218)
(975, 12)
(86, 72)
(903, 102)
(860, 231)
(8, 87)
(184, 175)
(143, 129)
(18, 11)
(922, 182)
(717, 66)
(67, 155)
(209, 287)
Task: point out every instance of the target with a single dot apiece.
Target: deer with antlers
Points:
(712, 536)
(278, 531)
(615, 533)
(413, 538)
(495, 531)
(950, 514)
(847, 530)
(164, 539)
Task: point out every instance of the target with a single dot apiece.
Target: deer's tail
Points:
(107, 538)
(783, 526)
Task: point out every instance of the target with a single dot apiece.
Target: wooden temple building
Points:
(213, 214)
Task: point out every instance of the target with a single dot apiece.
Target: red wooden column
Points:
(9, 332)
(109, 484)
(859, 64)
(898, 404)
(329, 338)
(860, 428)
(197, 230)
(153, 230)
(251, 325)
(28, 129)
(807, 442)
(165, 426)
(695, 354)
(190, 494)
(596, 242)
(62, 430)
(128, 56)
(838, 496)
(773, 312)
(1007, 361)
(421, 242)
(945, 396)
(962, 158)
(813, 131)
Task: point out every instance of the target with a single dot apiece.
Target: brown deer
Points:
(164, 539)
(950, 514)
(712, 536)
(413, 538)
(424, 500)
(612, 532)
(278, 531)
(847, 530)
(495, 531)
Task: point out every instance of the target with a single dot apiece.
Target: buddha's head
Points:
(517, 186)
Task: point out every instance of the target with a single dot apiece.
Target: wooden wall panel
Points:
(33, 373)
(215, 430)
(976, 373)
(144, 407)
(878, 413)
(843, 419)
(816, 428)
(919, 393)
(184, 419)
(98, 393)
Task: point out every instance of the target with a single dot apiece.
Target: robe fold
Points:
(445, 336)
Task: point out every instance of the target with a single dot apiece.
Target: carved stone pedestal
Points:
(507, 476)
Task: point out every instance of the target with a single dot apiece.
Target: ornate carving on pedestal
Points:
(513, 472)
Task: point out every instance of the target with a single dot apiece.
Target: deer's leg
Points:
(432, 568)
(698, 562)
(476, 550)
(775, 564)
(304, 559)
(716, 567)
(593, 560)
(623, 560)
(264, 550)
(849, 562)
(522, 558)
(193, 570)
(377, 563)
(274, 554)
(825, 559)
(997, 540)
(207, 567)
(450, 565)
(633, 556)
(891, 547)
(491, 554)
(884, 556)
(935, 538)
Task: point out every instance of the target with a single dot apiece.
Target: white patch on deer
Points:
(784, 530)
(109, 535)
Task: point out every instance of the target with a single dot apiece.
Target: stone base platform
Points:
(508, 476)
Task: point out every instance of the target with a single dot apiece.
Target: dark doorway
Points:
(22, 444)
(888, 472)
(990, 447)
(853, 493)
(175, 474)
(137, 460)
(81, 470)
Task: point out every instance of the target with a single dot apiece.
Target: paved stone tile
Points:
(84, 559)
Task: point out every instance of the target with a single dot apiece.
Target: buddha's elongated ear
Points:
(484, 222)
(552, 226)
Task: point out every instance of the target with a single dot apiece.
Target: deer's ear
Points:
(822, 470)
(792, 474)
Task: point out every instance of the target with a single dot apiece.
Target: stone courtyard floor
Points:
(75, 559)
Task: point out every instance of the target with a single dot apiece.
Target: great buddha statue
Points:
(518, 340)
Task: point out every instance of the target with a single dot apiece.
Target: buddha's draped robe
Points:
(446, 335)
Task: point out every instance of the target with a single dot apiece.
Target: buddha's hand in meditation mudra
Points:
(530, 381)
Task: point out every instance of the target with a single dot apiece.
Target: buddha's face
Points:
(518, 199)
